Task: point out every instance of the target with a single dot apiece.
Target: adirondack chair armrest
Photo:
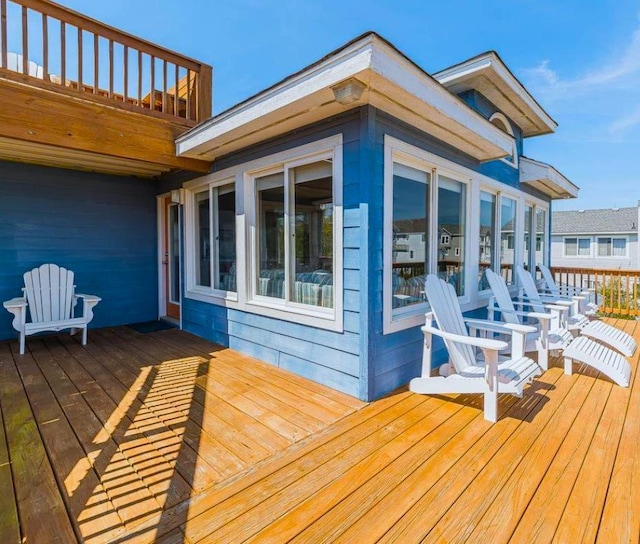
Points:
(18, 302)
(482, 343)
(18, 307)
(524, 329)
(88, 302)
(486, 325)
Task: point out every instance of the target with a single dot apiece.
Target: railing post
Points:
(204, 92)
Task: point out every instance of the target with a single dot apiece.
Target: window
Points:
(541, 226)
(500, 121)
(486, 237)
(409, 216)
(508, 208)
(577, 247)
(612, 247)
(295, 237)
(444, 239)
(452, 219)
(215, 238)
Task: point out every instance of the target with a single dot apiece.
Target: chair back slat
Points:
(548, 279)
(530, 289)
(502, 297)
(446, 309)
(49, 291)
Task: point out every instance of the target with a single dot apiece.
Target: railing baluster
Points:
(3, 29)
(25, 42)
(80, 59)
(45, 48)
(110, 68)
(139, 78)
(96, 63)
(176, 98)
(188, 95)
(125, 74)
(63, 53)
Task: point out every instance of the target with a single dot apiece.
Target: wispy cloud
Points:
(608, 87)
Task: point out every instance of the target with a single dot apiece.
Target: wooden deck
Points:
(164, 437)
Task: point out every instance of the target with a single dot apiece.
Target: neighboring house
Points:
(290, 226)
(602, 239)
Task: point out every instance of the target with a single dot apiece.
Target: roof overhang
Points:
(488, 75)
(546, 179)
(388, 80)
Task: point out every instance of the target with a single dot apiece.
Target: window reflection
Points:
(486, 237)
(451, 231)
(507, 238)
(410, 247)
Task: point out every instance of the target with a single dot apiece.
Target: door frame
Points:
(162, 241)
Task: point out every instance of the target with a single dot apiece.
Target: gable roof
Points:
(384, 77)
(607, 221)
(489, 75)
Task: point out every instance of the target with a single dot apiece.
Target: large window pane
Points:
(451, 228)
(604, 247)
(225, 224)
(486, 236)
(271, 231)
(584, 247)
(410, 235)
(571, 247)
(619, 247)
(203, 239)
(541, 235)
(507, 238)
(313, 234)
(528, 239)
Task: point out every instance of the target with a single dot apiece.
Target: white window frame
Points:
(476, 182)
(246, 238)
(400, 152)
(497, 116)
(612, 238)
(577, 239)
(495, 243)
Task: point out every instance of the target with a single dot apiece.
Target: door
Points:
(171, 258)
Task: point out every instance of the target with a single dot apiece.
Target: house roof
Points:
(489, 75)
(546, 179)
(367, 70)
(608, 221)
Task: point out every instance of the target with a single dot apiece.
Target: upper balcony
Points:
(77, 93)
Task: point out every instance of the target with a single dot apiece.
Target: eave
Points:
(392, 84)
(546, 179)
(488, 75)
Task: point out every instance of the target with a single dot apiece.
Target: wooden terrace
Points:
(164, 437)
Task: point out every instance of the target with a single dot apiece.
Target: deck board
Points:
(165, 437)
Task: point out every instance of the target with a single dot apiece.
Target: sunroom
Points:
(333, 193)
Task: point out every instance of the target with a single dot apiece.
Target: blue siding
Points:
(325, 356)
(101, 227)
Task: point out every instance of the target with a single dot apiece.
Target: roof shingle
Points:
(595, 221)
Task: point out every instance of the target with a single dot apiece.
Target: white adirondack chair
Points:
(586, 307)
(577, 322)
(550, 335)
(472, 372)
(49, 295)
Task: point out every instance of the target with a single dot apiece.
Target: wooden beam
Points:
(38, 116)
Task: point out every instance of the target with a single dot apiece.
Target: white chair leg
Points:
(84, 336)
(491, 405)
(22, 335)
(568, 366)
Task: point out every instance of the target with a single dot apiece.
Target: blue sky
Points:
(580, 59)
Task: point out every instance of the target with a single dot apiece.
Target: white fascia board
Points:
(406, 75)
(368, 54)
(490, 62)
(346, 64)
(532, 171)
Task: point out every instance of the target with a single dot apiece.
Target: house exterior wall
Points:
(102, 227)
(360, 360)
(329, 357)
(630, 262)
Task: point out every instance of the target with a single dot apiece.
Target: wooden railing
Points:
(617, 291)
(59, 49)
